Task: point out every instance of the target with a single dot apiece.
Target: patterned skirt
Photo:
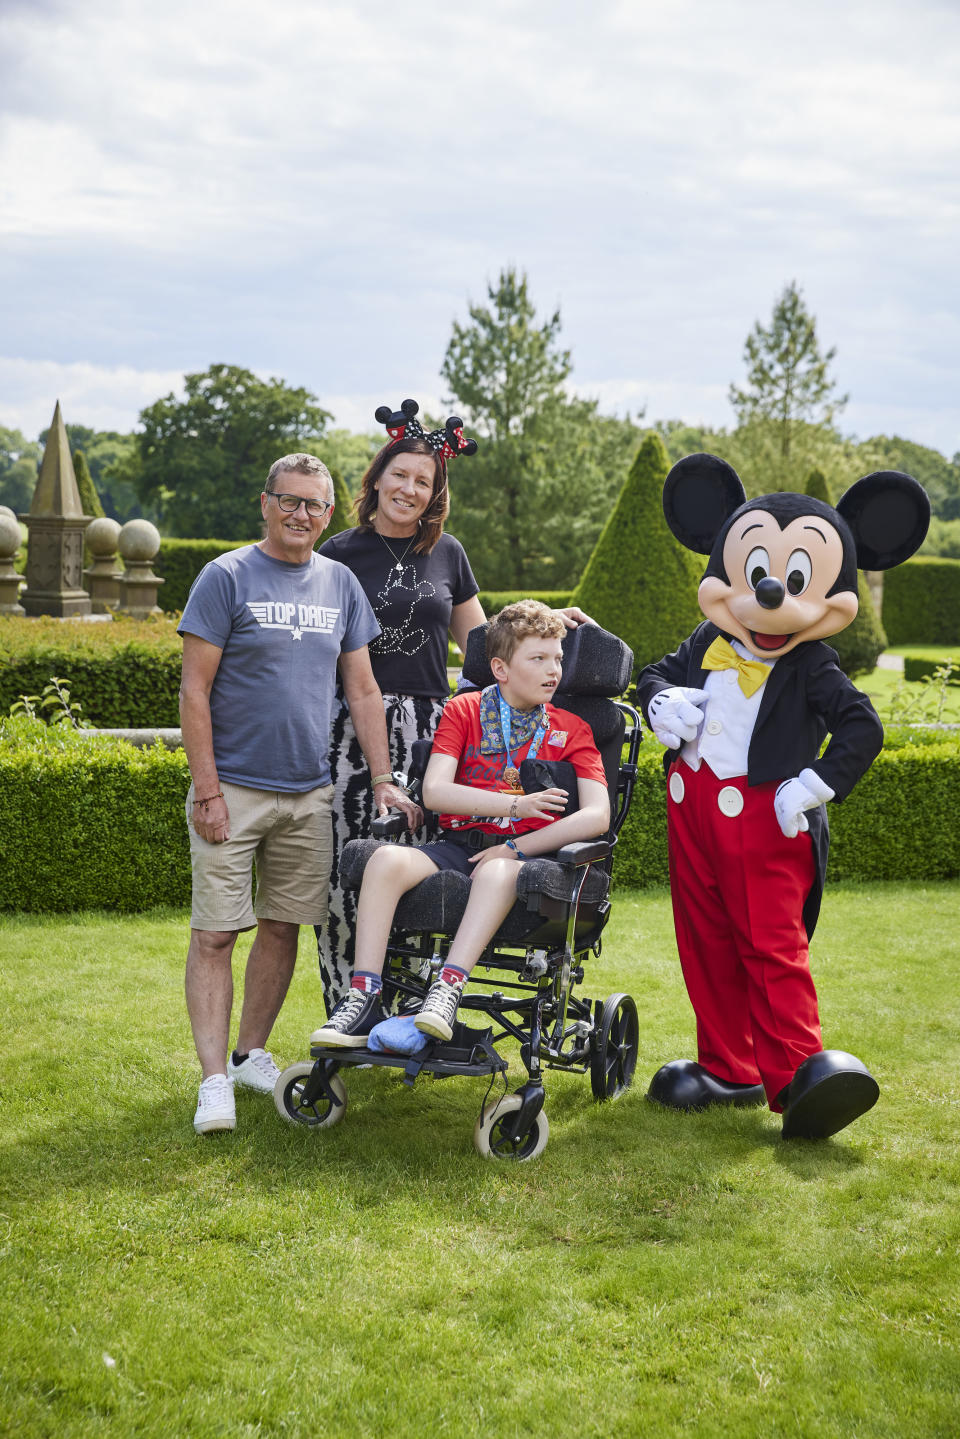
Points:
(408, 719)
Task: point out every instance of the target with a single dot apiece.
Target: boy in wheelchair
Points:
(489, 826)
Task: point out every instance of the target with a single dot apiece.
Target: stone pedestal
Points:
(9, 579)
(55, 566)
(139, 544)
(104, 573)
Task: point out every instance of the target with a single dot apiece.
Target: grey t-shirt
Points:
(281, 628)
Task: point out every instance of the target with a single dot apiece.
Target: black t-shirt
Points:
(412, 596)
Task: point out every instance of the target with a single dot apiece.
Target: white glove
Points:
(794, 796)
(674, 716)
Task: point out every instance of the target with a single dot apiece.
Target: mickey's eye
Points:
(757, 567)
(799, 570)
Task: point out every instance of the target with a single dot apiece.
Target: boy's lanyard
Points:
(511, 774)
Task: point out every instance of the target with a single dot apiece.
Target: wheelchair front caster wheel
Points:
(324, 1110)
(615, 1045)
(493, 1143)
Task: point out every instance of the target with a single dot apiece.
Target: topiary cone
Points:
(639, 581)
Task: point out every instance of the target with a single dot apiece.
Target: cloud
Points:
(102, 397)
(315, 190)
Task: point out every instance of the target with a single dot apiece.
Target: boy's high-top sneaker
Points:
(351, 1021)
(439, 1009)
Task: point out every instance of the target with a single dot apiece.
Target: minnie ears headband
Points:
(402, 425)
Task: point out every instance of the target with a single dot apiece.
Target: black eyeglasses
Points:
(291, 503)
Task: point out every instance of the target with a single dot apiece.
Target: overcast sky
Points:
(316, 191)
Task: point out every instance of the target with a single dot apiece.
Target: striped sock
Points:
(453, 974)
(366, 982)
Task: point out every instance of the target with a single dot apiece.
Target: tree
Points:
(349, 455)
(787, 376)
(640, 582)
(343, 517)
(19, 465)
(529, 506)
(203, 460)
(504, 371)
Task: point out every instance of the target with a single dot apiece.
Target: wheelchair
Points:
(525, 985)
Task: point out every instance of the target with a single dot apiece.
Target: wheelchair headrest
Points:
(595, 662)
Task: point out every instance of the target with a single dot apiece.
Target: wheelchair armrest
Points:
(583, 851)
(390, 825)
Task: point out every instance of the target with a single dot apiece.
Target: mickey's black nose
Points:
(770, 593)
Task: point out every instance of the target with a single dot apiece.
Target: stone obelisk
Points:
(56, 523)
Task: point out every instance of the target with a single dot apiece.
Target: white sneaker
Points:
(257, 1071)
(215, 1106)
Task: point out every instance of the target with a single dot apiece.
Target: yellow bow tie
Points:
(722, 656)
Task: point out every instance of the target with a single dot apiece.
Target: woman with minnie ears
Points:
(422, 588)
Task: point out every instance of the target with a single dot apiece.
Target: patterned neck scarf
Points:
(523, 723)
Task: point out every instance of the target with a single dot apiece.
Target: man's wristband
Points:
(381, 779)
(209, 799)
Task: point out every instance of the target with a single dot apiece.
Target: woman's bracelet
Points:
(381, 779)
(209, 798)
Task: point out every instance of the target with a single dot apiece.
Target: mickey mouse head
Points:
(783, 568)
(449, 441)
(400, 424)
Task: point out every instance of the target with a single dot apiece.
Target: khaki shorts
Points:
(288, 837)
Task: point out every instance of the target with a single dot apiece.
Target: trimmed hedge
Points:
(921, 667)
(90, 823)
(87, 822)
(921, 602)
(125, 673)
(180, 561)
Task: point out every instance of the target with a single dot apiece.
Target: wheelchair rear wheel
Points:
(493, 1143)
(615, 1046)
(322, 1112)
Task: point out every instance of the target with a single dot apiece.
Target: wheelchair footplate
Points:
(467, 1052)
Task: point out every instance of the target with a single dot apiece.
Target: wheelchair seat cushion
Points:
(437, 904)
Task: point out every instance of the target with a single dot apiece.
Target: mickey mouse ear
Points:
(382, 414)
(700, 494)
(888, 513)
(409, 408)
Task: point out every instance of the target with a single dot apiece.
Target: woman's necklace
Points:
(397, 566)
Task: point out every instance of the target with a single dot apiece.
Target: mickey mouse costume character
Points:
(743, 706)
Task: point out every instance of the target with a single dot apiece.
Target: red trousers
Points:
(738, 889)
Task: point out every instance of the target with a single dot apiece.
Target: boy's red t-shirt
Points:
(458, 734)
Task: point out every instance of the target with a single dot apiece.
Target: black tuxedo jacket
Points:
(806, 697)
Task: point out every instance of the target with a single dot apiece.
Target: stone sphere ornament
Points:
(10, 536)
(101, 536)
(139, 541)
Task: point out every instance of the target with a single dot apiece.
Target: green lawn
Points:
(652, 1274)
(942, 652)
(915, 702)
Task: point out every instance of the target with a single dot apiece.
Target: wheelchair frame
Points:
(537, 1006)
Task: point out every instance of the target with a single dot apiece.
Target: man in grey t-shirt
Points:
(264, 629)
